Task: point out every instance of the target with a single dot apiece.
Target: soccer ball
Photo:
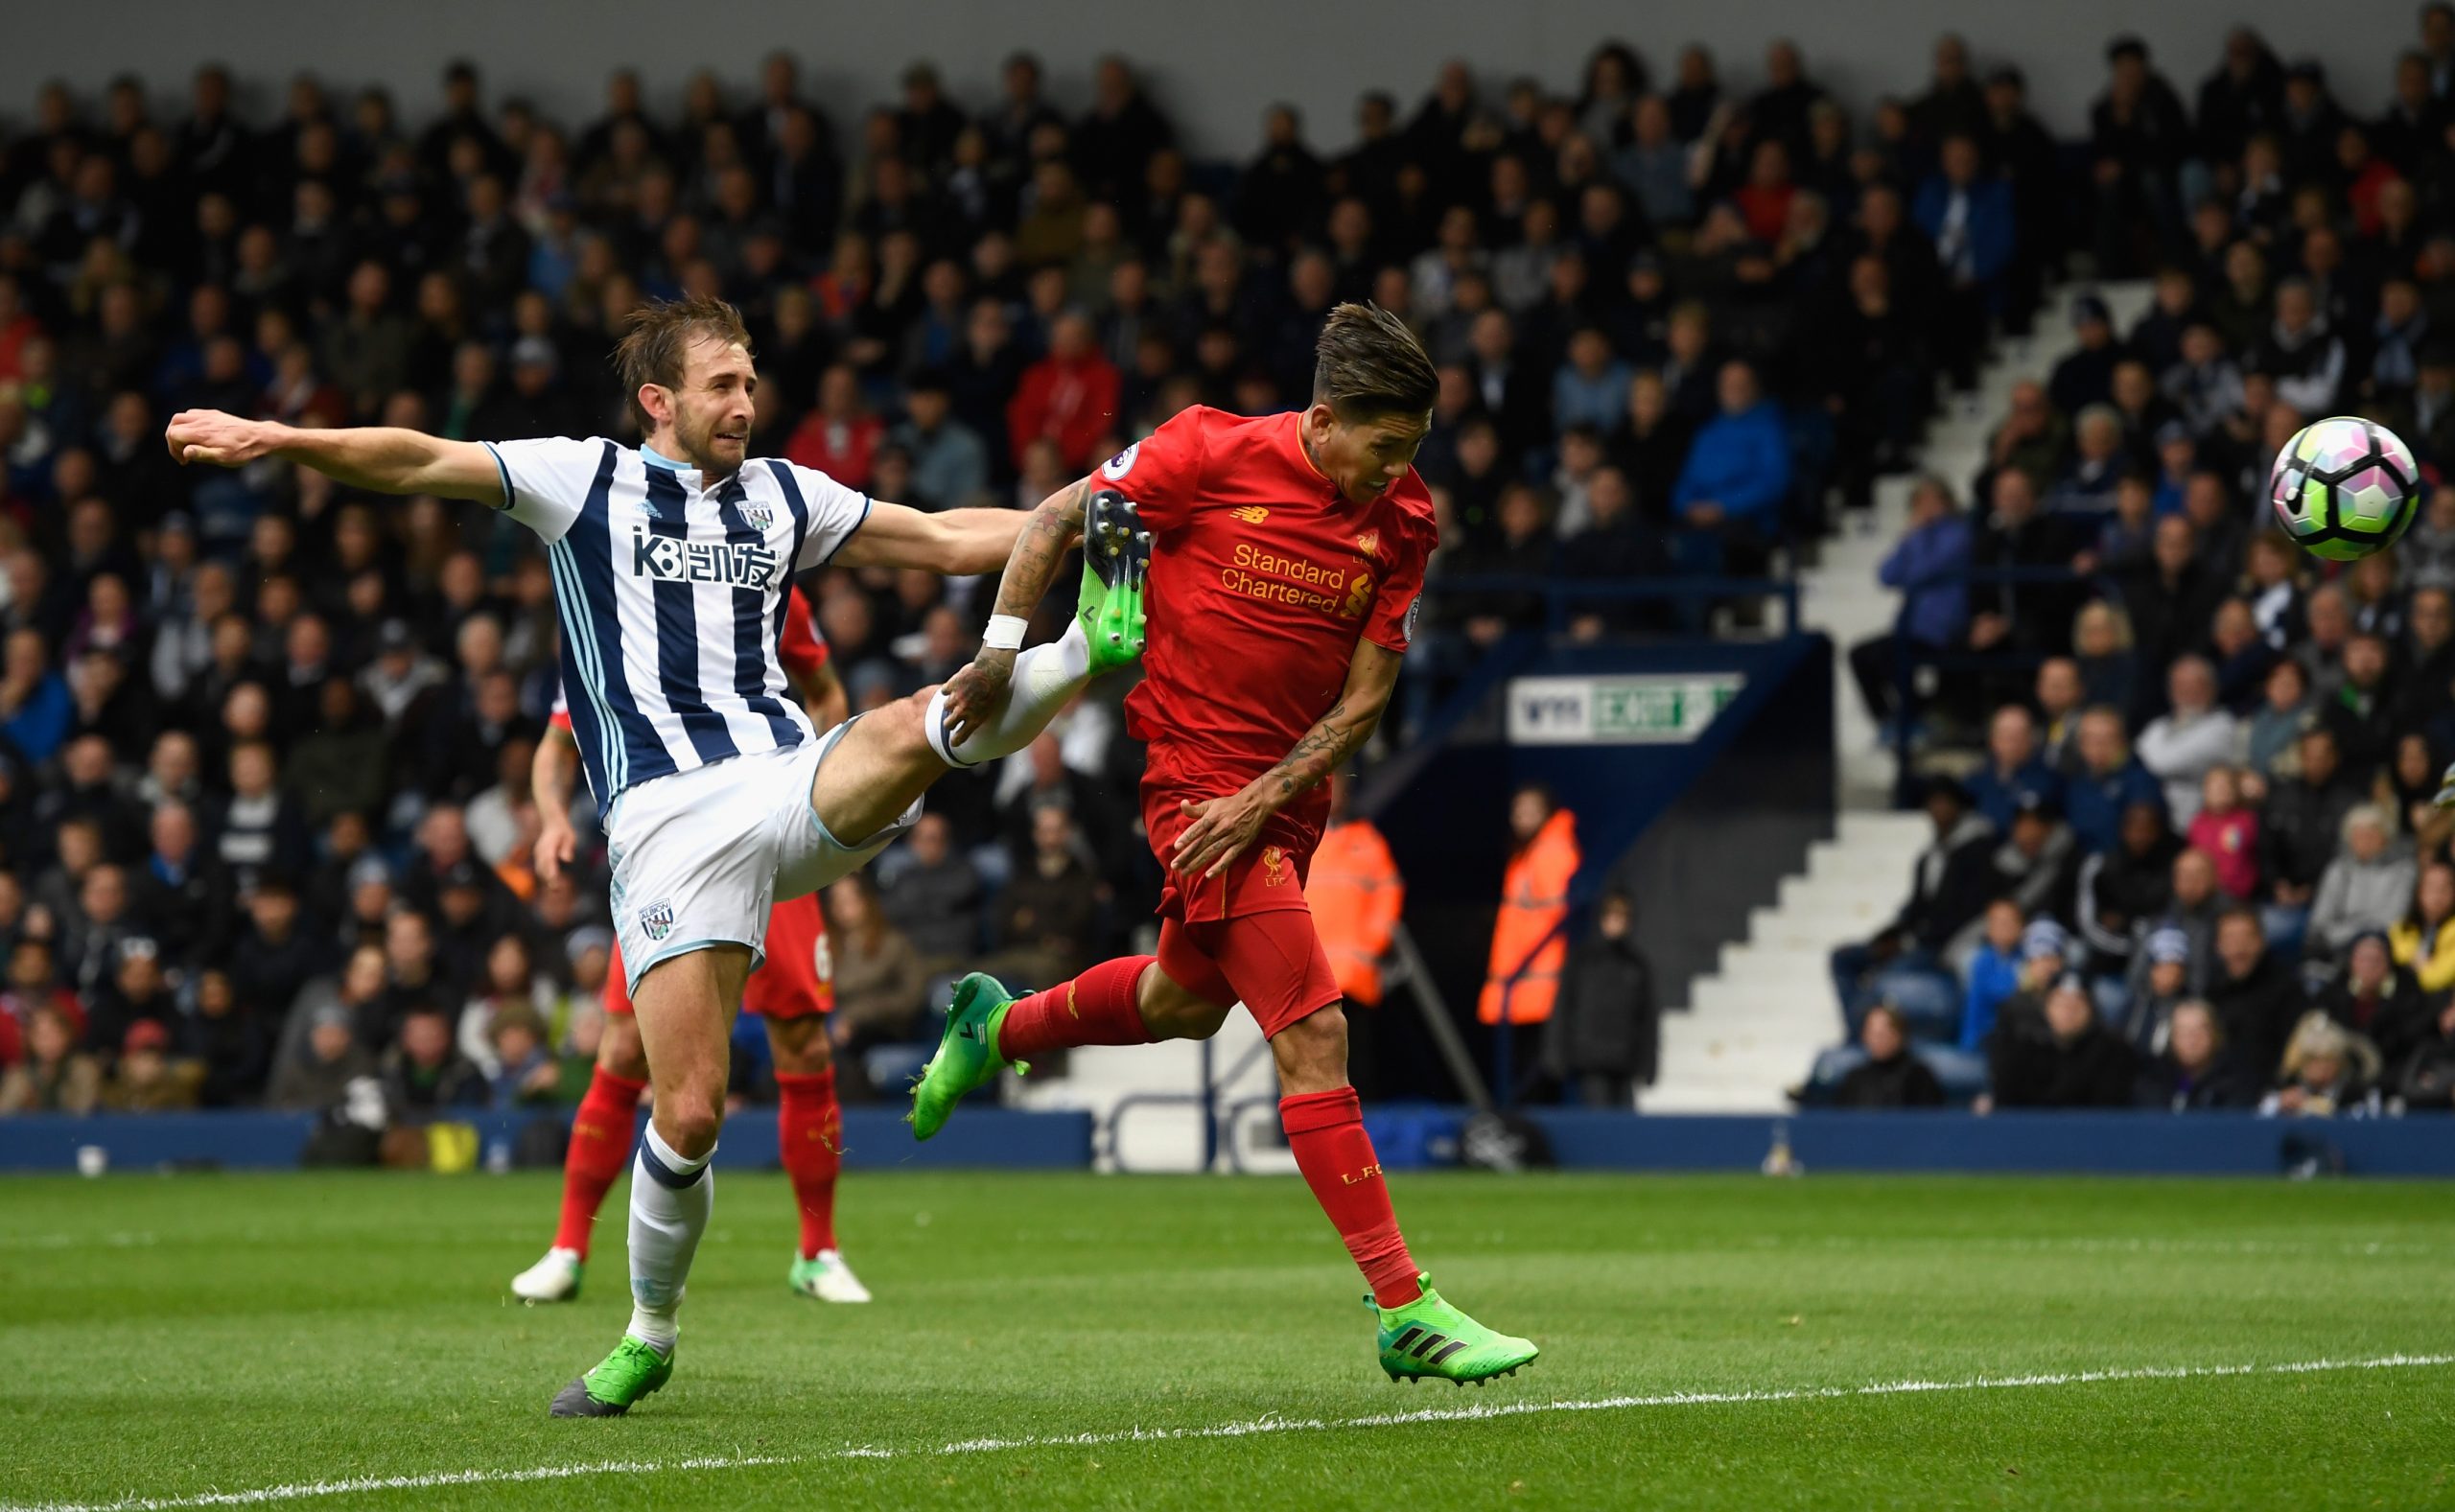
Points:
(2345, 487)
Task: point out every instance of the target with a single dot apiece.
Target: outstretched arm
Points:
(953, 542)
(1223, 827)
(1048, 533)
(381, 460)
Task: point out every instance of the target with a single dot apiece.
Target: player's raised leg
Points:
(684, 1006)
(600, 1143)
(809, 1138)
(887, 759)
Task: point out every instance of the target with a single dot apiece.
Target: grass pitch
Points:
(345, 1340)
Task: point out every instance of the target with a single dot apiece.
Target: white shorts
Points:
(699, 857)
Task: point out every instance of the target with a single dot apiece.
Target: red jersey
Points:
(1263, 578)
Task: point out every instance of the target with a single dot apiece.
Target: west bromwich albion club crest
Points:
(657, 919)
(763, 516)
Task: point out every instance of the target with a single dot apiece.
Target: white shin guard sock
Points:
(1046, 678)
(671, 1200)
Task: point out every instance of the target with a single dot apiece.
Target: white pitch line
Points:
(1469, 1412)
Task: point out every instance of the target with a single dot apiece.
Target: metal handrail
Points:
(1558, 595)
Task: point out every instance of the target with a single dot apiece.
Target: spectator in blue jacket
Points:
(2110, 780)
(1730, 494)
(1994, 970)
(2012, 769)
(1969, 215)
(35, 703)
(1933, 549)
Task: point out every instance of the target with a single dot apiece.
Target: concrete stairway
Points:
(1754, 1026)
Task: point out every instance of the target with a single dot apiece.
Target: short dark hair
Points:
(658, 344)
(1367, 362)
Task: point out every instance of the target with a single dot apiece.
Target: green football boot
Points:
(966, 1054)
(1116, 563)
(1429, 1337)
(634, 1370)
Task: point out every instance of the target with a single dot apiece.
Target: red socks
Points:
(1325, 1129)
(602, 1133)
(809, 1129)
(1097, 1008)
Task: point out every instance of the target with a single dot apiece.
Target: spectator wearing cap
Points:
(401, 674)
(2195, 735)
(1925, 566)
(2064, 1058)
(2013, 767)
(315, 1077)
(1993, 971)
(2257, 997)
(949, 463)
(1948, 889)
(2122, 889)
(2160, 984)
(147, 1078)
(2377, 996)
(2086, 377)
(2193, 1072)
(136, 991)
(2110, 780)
(275, 955)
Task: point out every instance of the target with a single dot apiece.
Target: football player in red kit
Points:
(791, 992)
(1286, 561)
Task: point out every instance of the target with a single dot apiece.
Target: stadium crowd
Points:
(2190, 857)
(264, 817)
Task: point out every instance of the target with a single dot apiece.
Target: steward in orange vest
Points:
(1535, 898)
(1356, 894)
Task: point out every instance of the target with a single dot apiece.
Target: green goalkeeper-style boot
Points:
(966, 1054)
(1429, 1337)
(1116, 563)
(634, 1370)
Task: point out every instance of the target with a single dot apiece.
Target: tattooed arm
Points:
(975, 693)
(1223, 827)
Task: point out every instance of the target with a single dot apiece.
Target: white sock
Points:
(1046, 678)
(666, 1220)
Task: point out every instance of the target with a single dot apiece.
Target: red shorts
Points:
(797, 978)
(1270, 875)
(1272, 962)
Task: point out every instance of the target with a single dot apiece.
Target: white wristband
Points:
(1005, 632)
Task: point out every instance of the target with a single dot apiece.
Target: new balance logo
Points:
(1250, 514)
(748, 564)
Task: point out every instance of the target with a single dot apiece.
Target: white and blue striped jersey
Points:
(672, 589)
